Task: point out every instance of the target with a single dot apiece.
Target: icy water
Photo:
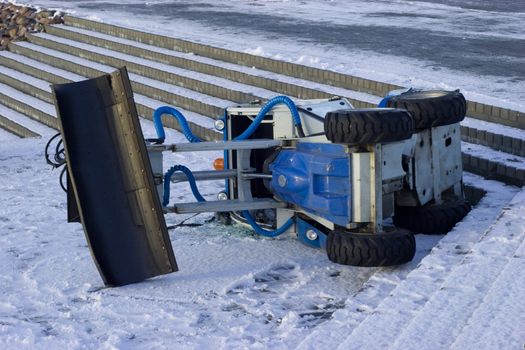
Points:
(478, 37)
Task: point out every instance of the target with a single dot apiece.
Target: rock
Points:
(16, 21)
(22, 32)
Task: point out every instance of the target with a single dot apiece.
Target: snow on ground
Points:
(237, 290)
(233, 290)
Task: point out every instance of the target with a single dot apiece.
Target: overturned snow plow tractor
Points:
(356, 182)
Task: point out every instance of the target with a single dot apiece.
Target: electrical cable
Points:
(61, 179)
(58, 160)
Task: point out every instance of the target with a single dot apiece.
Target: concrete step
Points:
(22, 125)
(28, 105)
(195, 81)
(15, 128)
(278, 83)
(156, 80)
(477, 110)
(174, 95)
(491, 164)
(63, 76)
(496, 136)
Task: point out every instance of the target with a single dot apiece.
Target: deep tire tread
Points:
(368, 126)
(383, 249)
(432, 108)
(431, 219)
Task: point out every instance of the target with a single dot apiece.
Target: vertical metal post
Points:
(436, 164)
(376, 188)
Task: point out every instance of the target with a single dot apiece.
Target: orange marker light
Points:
(218, 164)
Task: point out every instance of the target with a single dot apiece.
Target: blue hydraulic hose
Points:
(191, 180)
(247, 215)
(267, 233)
(246, 134)
(262, 113)
(159, 128)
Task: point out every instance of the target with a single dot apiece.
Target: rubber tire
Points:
(432, 108)
(368, 126)
(431, 219)
(382, 249)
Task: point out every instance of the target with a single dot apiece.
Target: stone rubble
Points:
(17, 21)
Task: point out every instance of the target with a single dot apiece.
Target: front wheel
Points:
(368, 126)
(371, 249)
(431, 108)
(431, 219)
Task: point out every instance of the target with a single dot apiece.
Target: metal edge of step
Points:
(504, 116)
(152, 92)
(16, 129)
(150, 72)
(493, 170)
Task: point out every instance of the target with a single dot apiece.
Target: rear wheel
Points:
(369, 249)
(431, 219)
(431, 108)
(368, 126)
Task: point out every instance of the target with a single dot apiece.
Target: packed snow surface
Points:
(238, 290)
(234, 289)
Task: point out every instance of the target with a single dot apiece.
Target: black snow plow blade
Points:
(112, 179)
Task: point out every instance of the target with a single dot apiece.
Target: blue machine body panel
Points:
(315, 177)
(302, 233)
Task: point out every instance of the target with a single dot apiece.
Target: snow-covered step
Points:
(499, 307)
(280, 83)
(201, 125)
(370, 313)
(272, 81)
(493, 164)
(476, 109)
(452, 306)
(169, 93)
(499, 137)
(22, 125)
(11, 127)
(5, 134)
(439, 296)
(204, 83)
(33, 107)
(27, 84)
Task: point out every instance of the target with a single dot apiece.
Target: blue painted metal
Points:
(303, 227)
(316, 177)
